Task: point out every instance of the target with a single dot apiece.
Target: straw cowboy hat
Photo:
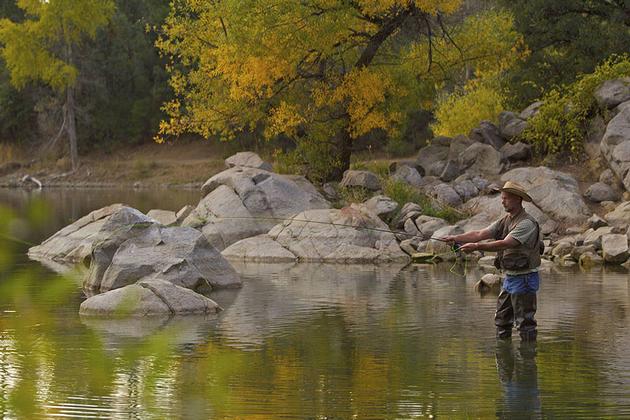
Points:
(516, 189)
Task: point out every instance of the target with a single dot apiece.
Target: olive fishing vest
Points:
(526, 255)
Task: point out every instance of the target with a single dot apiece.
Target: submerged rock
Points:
(148, 298)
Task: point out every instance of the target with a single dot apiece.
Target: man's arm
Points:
(472, 236)
(500, 245)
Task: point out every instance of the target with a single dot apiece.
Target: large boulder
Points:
(350, 235)
(613, 92)
(615, 145)
(179, 255)
(75, 242)
(481, 158)
(148, 298)
(620, 216)
(487, 133)
(248, 160)
(242, 202)
(555, 193)
(363, 179)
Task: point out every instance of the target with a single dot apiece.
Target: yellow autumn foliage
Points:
(320, 72)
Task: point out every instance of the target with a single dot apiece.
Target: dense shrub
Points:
(562, 121)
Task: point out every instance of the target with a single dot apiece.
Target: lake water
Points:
(306, 341)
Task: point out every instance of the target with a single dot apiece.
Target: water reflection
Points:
(518, 376)
(315, 341)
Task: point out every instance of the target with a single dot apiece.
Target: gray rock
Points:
(410, 227)
(595, 222)
(608, 178)
(74, 242)
(248, 160)
(561, 249)
(436, 168)
(428, 225)
(408, 246)
(445, 194)
(408, 175)
(350, 235)
(594, 236)
(457, 145)
(487, 133)
(394, 166)
(408, 210)
(615, 146)
(466, 189)
(613, 92)
(620, 216)
(590, 259)
(577, 251)
(179, 255)
(481, 158)
(183, 213)
(442, 248)
(516, 152)
(511, 125)
(364, 179)
(599, 192)
(259, 248)
(381, 205)
(555, 193)
(531, 110)
(163, 217)
(489, 283)
(429, 155)
(243, 202)
(450, 171)
(330, 191)
(148, 298)
(615, 248)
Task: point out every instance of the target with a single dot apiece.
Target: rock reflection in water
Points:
(275, 295)
(179, 330)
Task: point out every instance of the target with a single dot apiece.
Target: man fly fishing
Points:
(517, 242)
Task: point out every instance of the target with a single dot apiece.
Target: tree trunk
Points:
(343, 149)
(72, 130)
(71, 117)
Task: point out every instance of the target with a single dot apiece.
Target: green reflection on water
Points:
(342, 362)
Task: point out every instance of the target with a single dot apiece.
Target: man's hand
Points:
(469, 247)
(449, 238)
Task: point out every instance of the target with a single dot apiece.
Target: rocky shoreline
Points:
(249, 213)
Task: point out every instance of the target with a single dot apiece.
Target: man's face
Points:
(510, 201)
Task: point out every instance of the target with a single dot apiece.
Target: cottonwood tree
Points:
(320, 72)
(41, 48)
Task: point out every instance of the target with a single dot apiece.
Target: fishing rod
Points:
(281, 219)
